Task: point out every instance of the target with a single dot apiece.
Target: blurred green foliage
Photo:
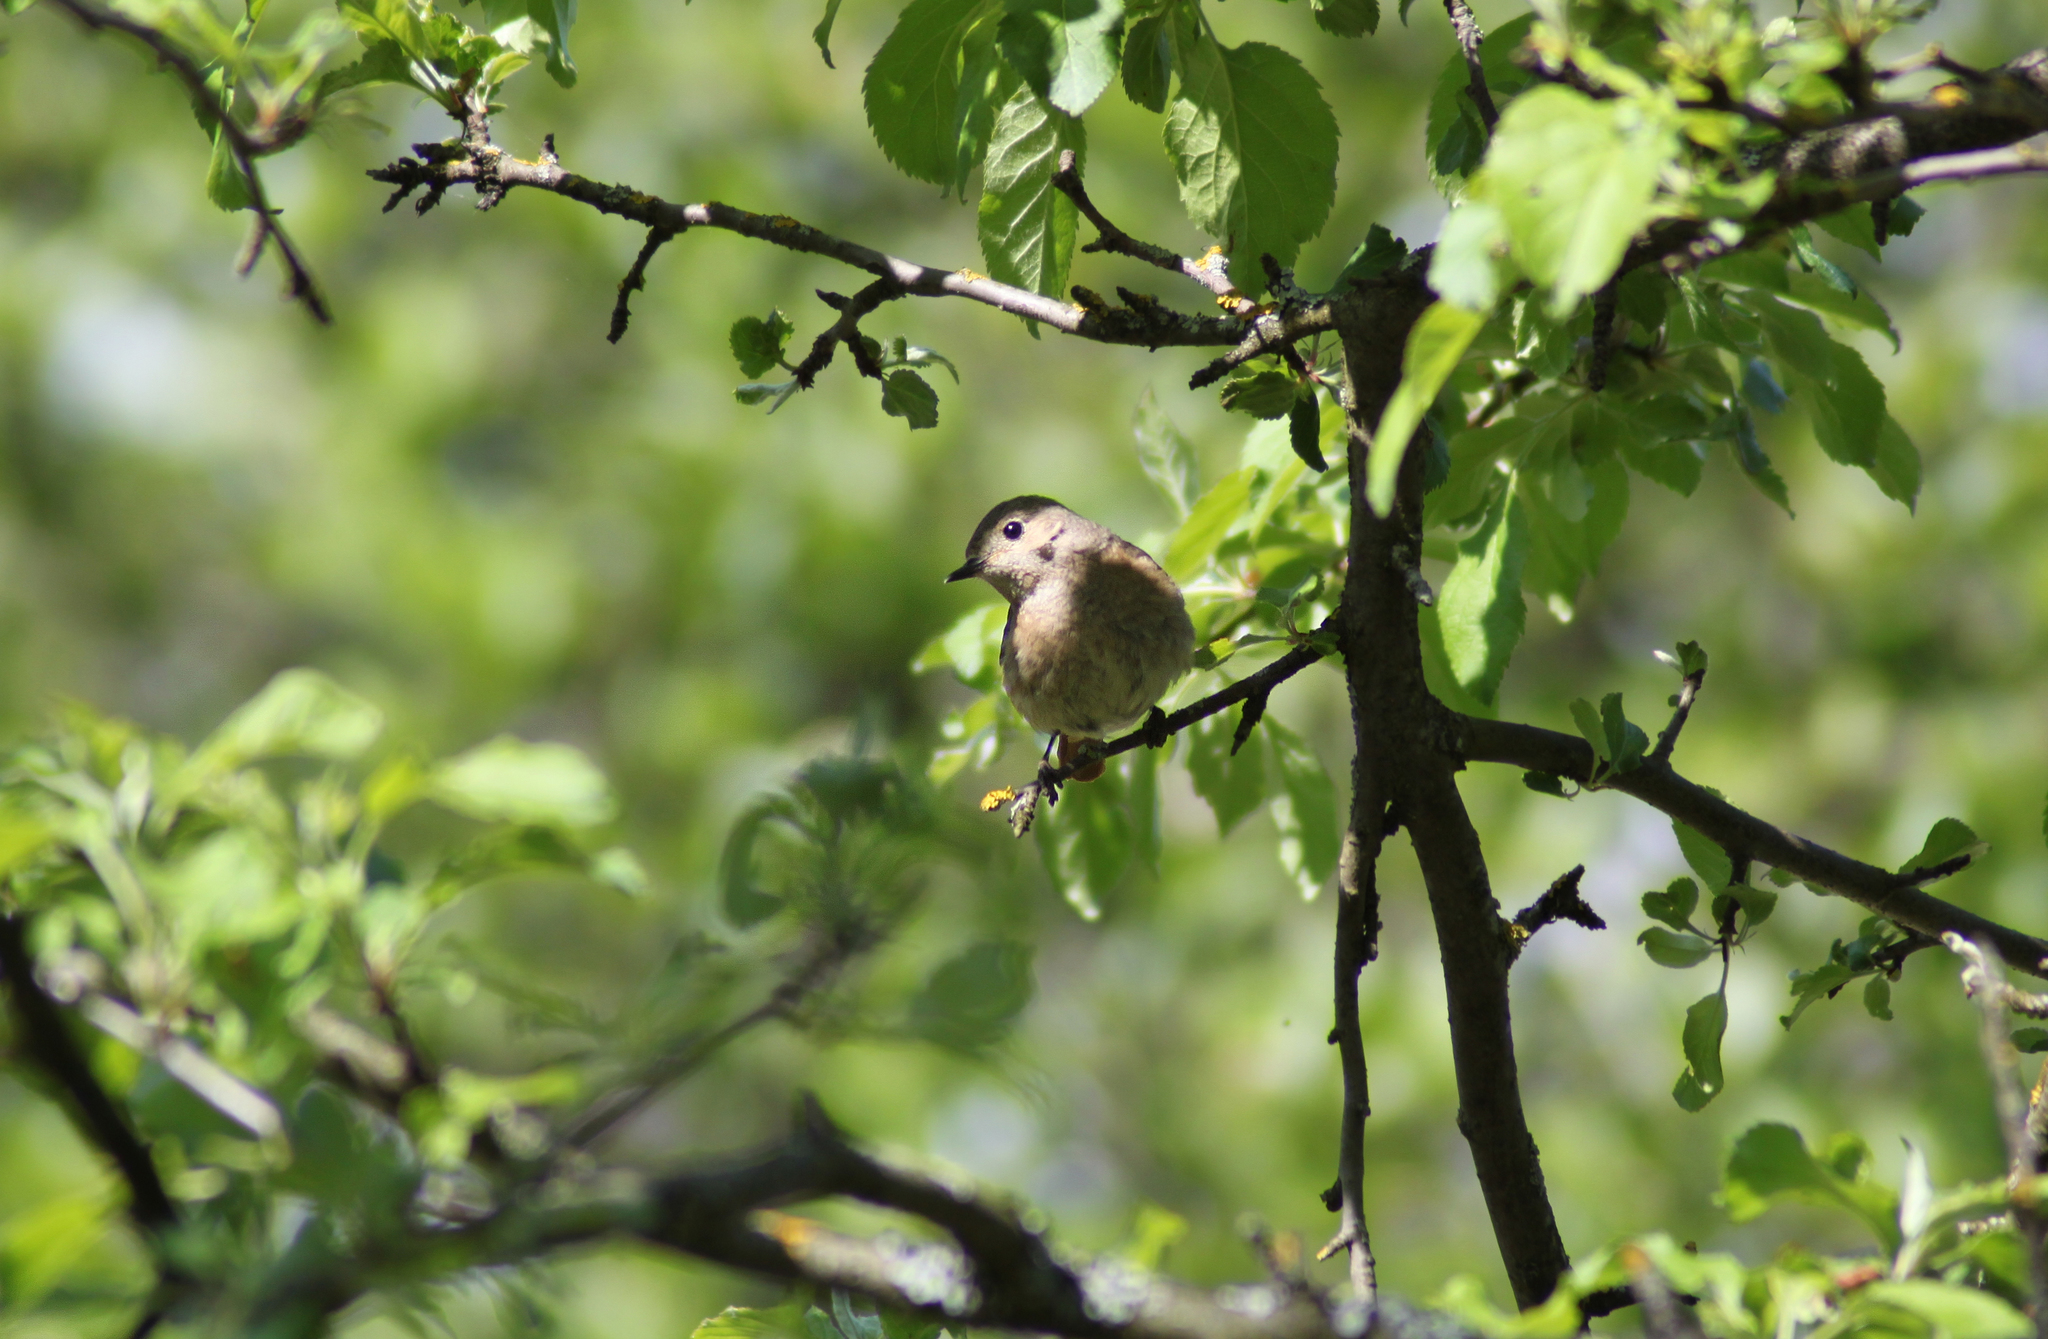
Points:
(466, 507)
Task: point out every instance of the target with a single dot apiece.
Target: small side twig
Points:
(1469, 37)
(1356, 945)
(846, 330)
(1688, 690)
(636, 277)
(246, 147)
(1560, 902)
(1211, 271)
(1603, 336)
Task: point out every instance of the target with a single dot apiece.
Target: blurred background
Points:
(464, 503)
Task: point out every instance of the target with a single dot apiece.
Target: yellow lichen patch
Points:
(969, 275)
(1211, 254)
(1949, 95)
(793, 1232)
(997, 798)
(783, 221)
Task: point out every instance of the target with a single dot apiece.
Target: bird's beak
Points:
(970, 568)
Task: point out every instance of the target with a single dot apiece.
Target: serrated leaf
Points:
(1674, 948)
(1771, 1163)
(1346, 18)
(908, 396)
(917, 102)
(1148, 60)
(226, 187)
(1573, 178)
(1480, 608)
(1378, 253)
(1854, 226)
(1305, 431)
(1268, 395)
(1208, 522)
(1233, 785)
(1437, 341)
(1896, 470)
(757, 343)
(1304, 810)
(1254, 148)
(1066, 50)
(1027, 226)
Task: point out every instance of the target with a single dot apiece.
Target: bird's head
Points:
(1020, 541)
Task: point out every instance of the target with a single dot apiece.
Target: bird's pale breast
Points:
(1089, 652)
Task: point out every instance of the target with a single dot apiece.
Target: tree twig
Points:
(1688, 689)
(489, 167)
(300, 286)
(846, 330)
(1469, 38)
(47, 1038)
(1211, 271)
(1559, 902)
(635, 280)
(1897, 897)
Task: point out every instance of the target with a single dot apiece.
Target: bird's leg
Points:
(1047, 786)
(1156, 733)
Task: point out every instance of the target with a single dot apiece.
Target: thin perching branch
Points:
(635, 280)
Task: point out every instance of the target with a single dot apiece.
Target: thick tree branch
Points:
(493, 171)
(1897, 897)
(45, 1036)
(1401, 767)
(246, 147)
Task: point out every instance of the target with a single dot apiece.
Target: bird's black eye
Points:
(1012, 529)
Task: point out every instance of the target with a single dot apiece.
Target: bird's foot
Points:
(1155, 731)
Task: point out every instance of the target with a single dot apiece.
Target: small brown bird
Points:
(1097, 630)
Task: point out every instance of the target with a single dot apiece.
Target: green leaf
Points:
(1771, 1163)
(1946, 840)
(1378, 253)
(1573, 179)
(41, 1244)
(1896, 469)
(1468, 267)
(1854, 226)
(970, 647)
(1626, 742)
(745, 1322)
(917, 102)
(1148, 60)
(1066, 50)
(1304, 810)
(1254, 148)
(1705, 1024)
(1027, 226)
(226, 187)
(301, 711)
(1269, 394)
(906, 395)
(511, 780)
(758, 343)
(1165, 453)
(2030, 1040)
(1671, 948)
(1347, 18)
(1211, 519)
(1674, 906)
(1305, 431)
(1587, 719)
(973, 999)
(1233, 785)
(822, 35)
(1955, 1311)
(1877, 997)
(746, 905)
(1705, 856)
(1543, 783)
(1480, 608)
(1088, 842)
(1438, 340)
